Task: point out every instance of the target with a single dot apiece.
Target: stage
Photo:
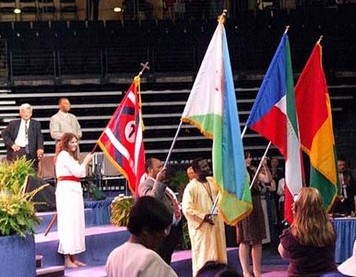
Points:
(102, 238)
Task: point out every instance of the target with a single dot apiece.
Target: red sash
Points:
(68, 178)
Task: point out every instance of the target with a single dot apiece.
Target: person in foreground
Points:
(69, 200)
(206, 229)
(309, 243)
(149, 224)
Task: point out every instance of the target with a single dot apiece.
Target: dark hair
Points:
(149, 163)
(216, 269)
(195, 164)
(149, 214)
(247, 154)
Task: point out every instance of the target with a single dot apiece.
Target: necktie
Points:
(26, 136)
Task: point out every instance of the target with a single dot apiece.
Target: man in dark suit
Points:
(23, 137)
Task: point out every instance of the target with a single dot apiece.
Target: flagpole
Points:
(244, 131)
(319, 40)
(286, 30)
(260, 165)
(173, 142)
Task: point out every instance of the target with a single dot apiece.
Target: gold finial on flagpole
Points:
(222, 17)
(286, 30)
(321, 37)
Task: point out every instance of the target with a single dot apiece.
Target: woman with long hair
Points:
(309, 243)
(252, 229)
(69, 200)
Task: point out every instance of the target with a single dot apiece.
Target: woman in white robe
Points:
(69, 200)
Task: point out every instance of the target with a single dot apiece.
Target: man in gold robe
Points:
(206, 229)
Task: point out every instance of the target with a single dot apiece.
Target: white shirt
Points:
(22, 137)
(134, 259)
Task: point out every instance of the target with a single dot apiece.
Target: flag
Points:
(316, 128)
(273, 116)
(122, 139)
(211, 107)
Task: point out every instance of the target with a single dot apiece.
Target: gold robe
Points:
(208, 241)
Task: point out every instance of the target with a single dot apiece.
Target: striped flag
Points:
(316, 128)
(212, 108)
(273, 116)
(122, 139)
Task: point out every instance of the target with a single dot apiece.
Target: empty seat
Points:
(29, 10)
(7, 10)
(46, 9)
(68, 9)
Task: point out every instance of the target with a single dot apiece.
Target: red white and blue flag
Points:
(122, 139)
(273, 116)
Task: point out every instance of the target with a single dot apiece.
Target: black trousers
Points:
(170, 243)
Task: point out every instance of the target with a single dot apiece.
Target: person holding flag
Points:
(206, 229)
(155, 186)
(252, 229)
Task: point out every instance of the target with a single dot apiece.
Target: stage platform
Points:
(102, 238)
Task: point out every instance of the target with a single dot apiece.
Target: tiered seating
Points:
(111, 47)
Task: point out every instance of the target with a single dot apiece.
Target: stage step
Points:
(96, 213)
(51, 271)
(99, 240)
(39, 261)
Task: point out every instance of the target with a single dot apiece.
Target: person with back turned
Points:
(149, 224)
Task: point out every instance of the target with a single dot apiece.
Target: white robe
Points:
(134, 259)
(70, 206)
(208, 241)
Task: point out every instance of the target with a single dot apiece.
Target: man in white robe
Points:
(206, 230)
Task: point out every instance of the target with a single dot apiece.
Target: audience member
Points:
(277, 174)
(69, 200)
(345, 205)
(281, 194)
(23, 137)
(252, 230)
(149, 224)
(155, 186)
(215, 269)
(309, 243)
(206, 229)
(64, 122)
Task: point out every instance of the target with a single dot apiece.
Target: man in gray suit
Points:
(64, 122)
(23, 137)
(156, 187)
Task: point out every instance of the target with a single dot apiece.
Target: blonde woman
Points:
(309, 244)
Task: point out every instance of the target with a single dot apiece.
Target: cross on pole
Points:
(144, 67)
